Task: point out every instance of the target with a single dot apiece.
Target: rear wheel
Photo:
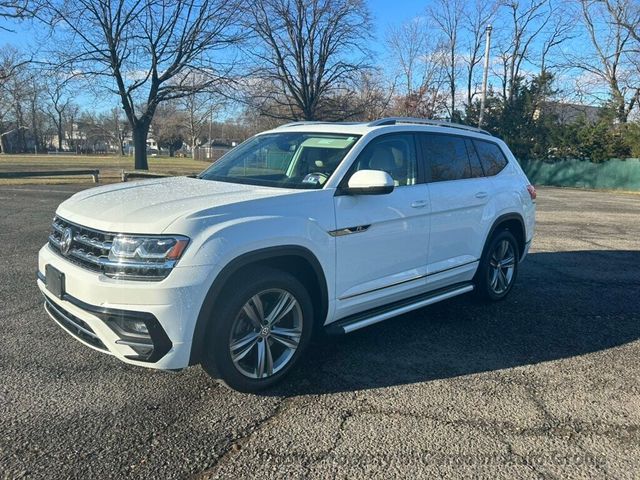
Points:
(259, 331)
(498, 267)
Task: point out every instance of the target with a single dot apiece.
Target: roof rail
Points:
(295, 124)
(423, 121)
(318, 122)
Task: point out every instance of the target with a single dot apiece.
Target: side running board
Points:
(375, 315)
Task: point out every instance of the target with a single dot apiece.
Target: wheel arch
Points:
(294, 259)
(512, 222)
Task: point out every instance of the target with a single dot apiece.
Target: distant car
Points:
(308, 227)
(153, 152)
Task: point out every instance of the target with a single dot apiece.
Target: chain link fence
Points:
(209, 154)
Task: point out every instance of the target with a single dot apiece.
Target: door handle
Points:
(482, 195)
(419, 204)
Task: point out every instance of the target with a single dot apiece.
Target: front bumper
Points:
(92, 306)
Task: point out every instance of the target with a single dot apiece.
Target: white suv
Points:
(307, 228)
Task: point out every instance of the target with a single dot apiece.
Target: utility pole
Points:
(485, 74)
(210, 128)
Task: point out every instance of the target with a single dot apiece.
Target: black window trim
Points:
(469, 141)
(420, 167)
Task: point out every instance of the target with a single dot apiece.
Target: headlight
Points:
(144, 258)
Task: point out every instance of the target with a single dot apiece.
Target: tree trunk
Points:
(469, 86)
(140, 132)
(59, 132)
(619, 102)
(22, 141)
(623, 116)
(453, 80)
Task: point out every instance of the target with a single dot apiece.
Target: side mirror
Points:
(370, 182)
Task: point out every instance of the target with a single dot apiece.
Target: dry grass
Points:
(110, 167)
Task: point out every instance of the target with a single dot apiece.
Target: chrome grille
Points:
(87, 247)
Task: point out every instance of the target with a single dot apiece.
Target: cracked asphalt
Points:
(542, 385)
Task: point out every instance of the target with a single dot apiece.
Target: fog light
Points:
(138, 326)
(129, 326)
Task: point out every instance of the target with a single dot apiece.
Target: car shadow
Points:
(564, 304)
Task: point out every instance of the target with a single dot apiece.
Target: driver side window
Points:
(395, 154)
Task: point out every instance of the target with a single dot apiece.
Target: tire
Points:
(494, 283)
(241, 347)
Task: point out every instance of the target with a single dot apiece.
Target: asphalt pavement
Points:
(543, 385)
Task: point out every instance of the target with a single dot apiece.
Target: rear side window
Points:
(447, 155)
(491, 157)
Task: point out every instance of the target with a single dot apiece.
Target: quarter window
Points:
(491, 157)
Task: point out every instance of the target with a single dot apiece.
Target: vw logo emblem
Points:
(65, 241)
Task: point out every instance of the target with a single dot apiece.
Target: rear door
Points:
(459, 193)
(382, 240)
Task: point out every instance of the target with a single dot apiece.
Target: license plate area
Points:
(54, 280)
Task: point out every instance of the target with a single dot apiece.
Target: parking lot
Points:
(543, 385)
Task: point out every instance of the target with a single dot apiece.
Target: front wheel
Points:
(262, 326)
(498, 267)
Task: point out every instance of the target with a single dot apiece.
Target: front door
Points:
(382, 240)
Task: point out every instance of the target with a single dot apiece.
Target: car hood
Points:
(150, 206)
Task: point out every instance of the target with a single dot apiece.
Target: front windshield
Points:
(289, 160)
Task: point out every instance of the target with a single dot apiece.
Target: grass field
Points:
(110, 167)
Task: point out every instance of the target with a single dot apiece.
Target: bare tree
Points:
(111, 127)
(37, 119)
(8, 58)
(59, 97)
(526, 21)
(198, 110)
(375, 95)
(559, 29)
(407, 44)
(309, 53)
(609, 60)
(422, 69)
(147, 52)
(15, 9)
(447, 15)
(168, 127)
(626, 13)
(75, 127)
(477, 16)
(119, 128)
(14, 88)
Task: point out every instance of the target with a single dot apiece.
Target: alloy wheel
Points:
(266, 333)
(502, 265)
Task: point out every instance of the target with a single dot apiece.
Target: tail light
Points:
(532, 192)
